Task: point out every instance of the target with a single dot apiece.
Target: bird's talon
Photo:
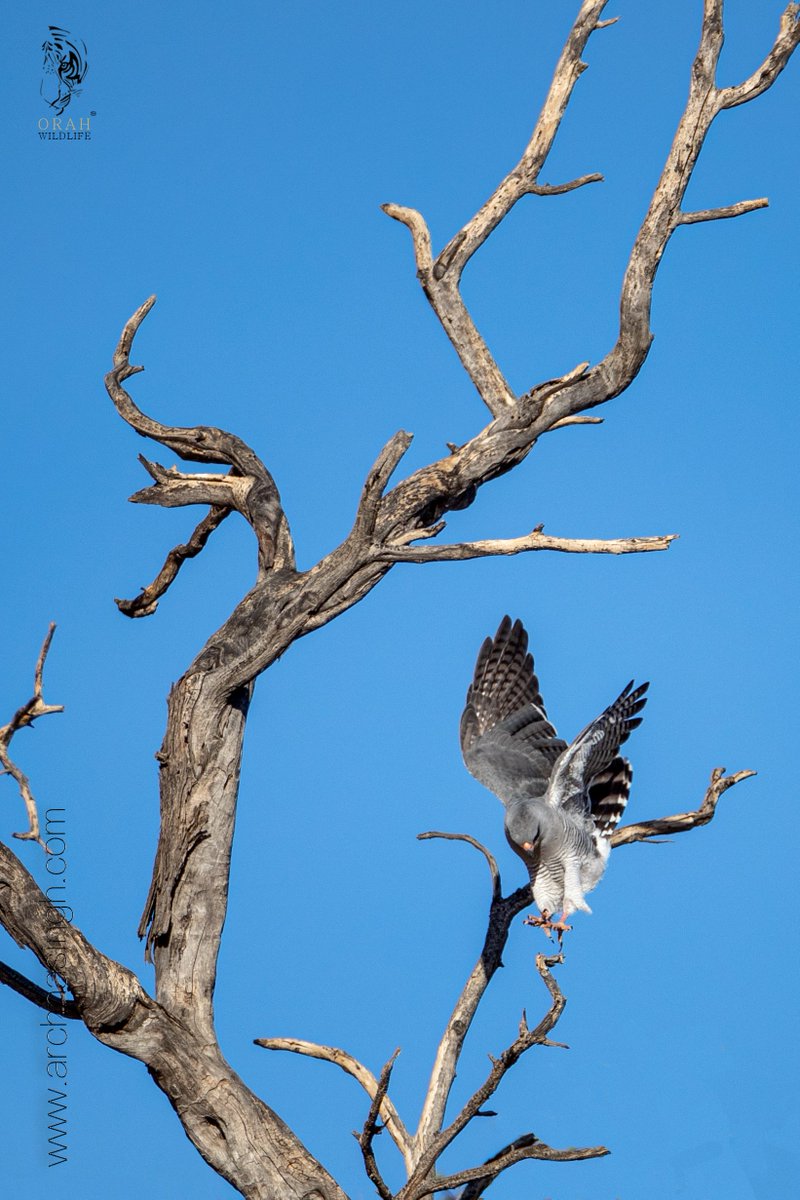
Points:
(549, 927)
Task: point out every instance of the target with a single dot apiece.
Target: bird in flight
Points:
(562, 801)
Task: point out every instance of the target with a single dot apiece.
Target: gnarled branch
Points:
(197, 443)
(375, 486)
(681, 822)
(207, 444)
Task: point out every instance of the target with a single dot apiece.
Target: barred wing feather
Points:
(595, 749)
(508, 743)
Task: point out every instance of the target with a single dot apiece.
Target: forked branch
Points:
(440, 280)
(431, 1139)
(525, 1040)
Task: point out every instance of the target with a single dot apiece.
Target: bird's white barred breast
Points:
(567, 868)
(548, 887)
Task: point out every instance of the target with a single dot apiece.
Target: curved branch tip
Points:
(125, 344)
(471, 841)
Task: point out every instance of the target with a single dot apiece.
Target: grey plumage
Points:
(562, 801)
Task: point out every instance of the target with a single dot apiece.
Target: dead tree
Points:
(173, 1032)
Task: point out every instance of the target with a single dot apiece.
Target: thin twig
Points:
(367, 1135)
(466, 837)
(49, 1001)
(722, 214)
(576, 420)
(527, 1147)
(25, 715)
(559, 189)
(146, 602)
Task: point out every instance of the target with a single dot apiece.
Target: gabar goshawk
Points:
(562, 802)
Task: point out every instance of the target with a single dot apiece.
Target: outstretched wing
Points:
(595, 749)
(507, 741)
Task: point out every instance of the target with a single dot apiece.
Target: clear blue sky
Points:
(236, 168)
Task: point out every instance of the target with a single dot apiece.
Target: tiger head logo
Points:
(64, 68)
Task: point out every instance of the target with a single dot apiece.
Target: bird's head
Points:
(525, 825)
